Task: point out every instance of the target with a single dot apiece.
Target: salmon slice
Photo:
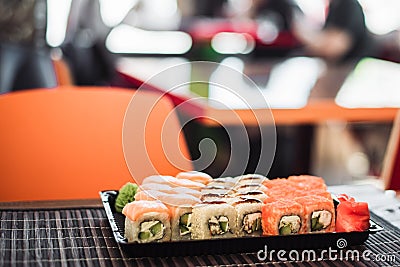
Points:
(172, 181)
(195, 176)
(136, 209)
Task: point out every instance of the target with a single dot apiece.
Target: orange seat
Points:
(67, 144)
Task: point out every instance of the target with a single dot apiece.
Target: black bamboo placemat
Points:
(82, 237)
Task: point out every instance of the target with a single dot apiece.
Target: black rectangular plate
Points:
(227, 245)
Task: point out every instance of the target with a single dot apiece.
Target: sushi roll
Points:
(180, 207)
(147, 221)
(252, 194)
(217, 189)
(149, 195)
(319, 214)
(172, 199)
(211, 197)
(213, 220)
(280, 193)
(248, 217)
(282, 217)
(195, 176)
(181, 225)
(313, 192)
(179, 200)
(155, 186)
(246, 187)
(157, 179)
(169, 190)
(172, 181)
(277, 183)
(187, 191)
(251, 178)
(307, 182)
(227, 182)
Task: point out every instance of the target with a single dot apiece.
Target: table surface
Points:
(292, 90)
(50, 233)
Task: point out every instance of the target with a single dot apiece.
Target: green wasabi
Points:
(126, 194)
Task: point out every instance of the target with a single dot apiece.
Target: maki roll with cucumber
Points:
(307, 182)
(213, 220)
(319, 214)
(180, 206)
(282, 217)
(147, 221)
(181, 223)
(248, 217)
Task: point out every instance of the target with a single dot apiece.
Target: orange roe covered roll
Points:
(276, 183)
(285, 191)
(147, 221)
(195, 176)
(307, 182)
(319, 213)
(313, 192)
(282, 217)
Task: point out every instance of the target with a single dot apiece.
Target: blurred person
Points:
(25, 60)
(84, 46)
(344, 35)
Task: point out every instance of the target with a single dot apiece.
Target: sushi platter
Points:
(140, 234)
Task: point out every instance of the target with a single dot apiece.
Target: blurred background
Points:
(102, 42)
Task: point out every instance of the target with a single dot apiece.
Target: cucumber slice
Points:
(314, 222)
(157, 228)
(317, 227)
(184, 220)
(183, 230)
(144, 235)
(285, 230)
(223, 226)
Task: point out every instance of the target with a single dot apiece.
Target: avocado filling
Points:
(218, 225)
(151, 230)
(320, 220)
(289, 225)
(185, 224)
(252, 222)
